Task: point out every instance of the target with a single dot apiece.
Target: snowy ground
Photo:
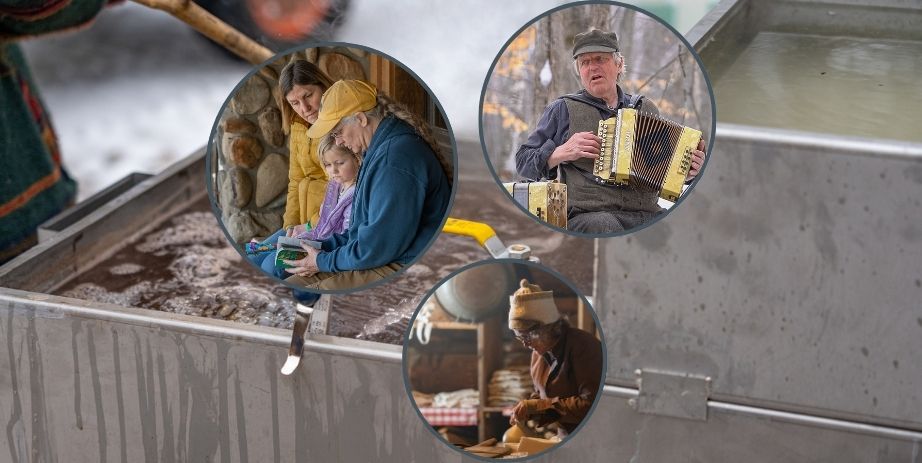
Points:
(138, 90)
(134, 92)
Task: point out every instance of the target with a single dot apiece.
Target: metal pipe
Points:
(716, 406)
(47, 306)
(817, 421)
(620, 392)
(816, 141)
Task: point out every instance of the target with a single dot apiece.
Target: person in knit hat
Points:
(566, 362)
(529, 307)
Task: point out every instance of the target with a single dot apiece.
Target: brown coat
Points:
(574, 383)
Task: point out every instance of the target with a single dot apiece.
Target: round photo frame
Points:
(520, 129)
(461, 321)
(251, 180)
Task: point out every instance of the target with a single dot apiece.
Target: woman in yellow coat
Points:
(302, 84)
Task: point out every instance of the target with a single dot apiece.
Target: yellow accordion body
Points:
(546, 200)
(645, 150)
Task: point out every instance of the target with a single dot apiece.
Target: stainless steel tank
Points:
(774, 316)
(89, 380)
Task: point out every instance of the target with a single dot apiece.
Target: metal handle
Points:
(487, 238)
(212, 27)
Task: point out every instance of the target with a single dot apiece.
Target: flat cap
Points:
(594, 40)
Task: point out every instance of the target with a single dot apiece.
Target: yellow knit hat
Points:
(529, 304)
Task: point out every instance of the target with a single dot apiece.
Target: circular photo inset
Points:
(504, 359)
(331, 168)
(596, 118)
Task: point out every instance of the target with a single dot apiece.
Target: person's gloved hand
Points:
(527, 407)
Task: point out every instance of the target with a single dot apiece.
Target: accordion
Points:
(546, 200)
(645, 151)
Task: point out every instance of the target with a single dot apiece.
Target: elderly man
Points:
(564, 145)
(401, 195)
(566, 363)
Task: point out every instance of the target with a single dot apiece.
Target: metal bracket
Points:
(320, 315)
(675, 394)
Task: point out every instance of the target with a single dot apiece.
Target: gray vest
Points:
(585, 193)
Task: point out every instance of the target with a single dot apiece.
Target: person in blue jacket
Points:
(401, 196)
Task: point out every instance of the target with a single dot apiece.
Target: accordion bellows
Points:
(645, 151)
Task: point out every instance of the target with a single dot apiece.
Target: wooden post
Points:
(489, 359)
(212, 27)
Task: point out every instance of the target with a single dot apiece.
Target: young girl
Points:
(342, 168)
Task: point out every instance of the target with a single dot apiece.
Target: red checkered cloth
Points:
(450, 416)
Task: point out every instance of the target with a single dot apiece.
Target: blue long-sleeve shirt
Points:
(401, 197)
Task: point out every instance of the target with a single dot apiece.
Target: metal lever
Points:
(308, 320)
(487, 238)
(302, 312)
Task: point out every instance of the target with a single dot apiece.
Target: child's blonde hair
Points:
(328, 143)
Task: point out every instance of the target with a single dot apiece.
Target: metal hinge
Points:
(670, 393)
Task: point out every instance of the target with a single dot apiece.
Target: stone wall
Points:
(252, 182)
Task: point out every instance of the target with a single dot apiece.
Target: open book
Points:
(289, 248)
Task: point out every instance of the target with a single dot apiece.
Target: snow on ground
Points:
(449, 45)
(134, 92)
(138, 90)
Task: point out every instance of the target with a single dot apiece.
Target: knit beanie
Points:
(529, 304)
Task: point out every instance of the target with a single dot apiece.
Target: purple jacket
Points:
(334, 216)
